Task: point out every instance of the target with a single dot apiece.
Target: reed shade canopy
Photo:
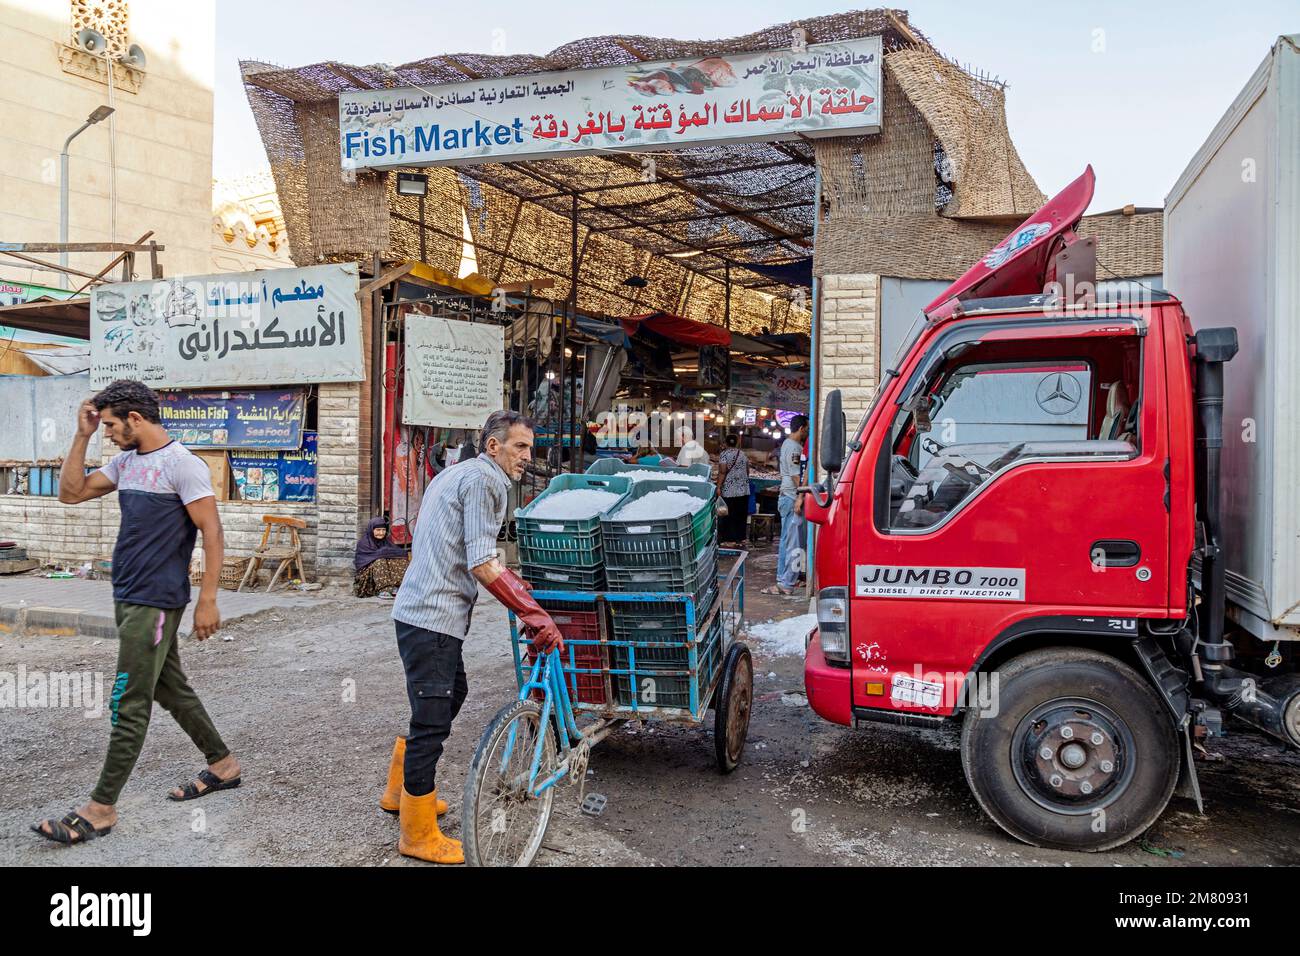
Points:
(925, 197)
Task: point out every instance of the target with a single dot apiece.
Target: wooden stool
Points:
(279, 543)
(762, 523)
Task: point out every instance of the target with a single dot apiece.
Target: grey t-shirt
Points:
(791, 452)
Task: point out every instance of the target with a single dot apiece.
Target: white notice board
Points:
(454, 372)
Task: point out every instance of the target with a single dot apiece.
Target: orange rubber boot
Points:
(391, 800)
(421, 837)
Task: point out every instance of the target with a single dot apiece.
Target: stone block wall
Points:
(849, 340)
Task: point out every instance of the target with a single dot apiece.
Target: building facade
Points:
(147, 167)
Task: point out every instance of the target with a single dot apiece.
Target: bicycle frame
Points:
(550, 681)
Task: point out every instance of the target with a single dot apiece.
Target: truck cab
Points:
(1008, 539)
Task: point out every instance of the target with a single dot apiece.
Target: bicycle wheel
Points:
(501, 824)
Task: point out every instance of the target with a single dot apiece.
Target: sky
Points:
(1132, 89)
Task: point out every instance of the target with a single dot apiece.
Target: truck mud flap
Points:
(1189, 787)
(1171, 681)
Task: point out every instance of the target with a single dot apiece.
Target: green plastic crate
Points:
(656, 620)
(661, 542)
(668, 689)
(695, 583)
(565, 543)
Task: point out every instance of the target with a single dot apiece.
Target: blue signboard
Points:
(277, 475)
(258, 418)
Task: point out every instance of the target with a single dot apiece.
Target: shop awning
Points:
(678, 329)
(603, 331)
(69, 317)
(798, 273)
(60, 360)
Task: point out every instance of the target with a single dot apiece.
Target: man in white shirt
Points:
(789, 505)
(692, 452)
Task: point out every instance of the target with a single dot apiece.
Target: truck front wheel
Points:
(1077, 752)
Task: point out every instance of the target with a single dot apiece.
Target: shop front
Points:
(260, 375)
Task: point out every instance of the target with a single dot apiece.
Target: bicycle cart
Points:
(648, 655)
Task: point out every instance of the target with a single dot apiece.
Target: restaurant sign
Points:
(277, 475)
(262, 418)
(824, 89)
(278, 326)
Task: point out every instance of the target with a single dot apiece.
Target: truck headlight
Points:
(833, 623)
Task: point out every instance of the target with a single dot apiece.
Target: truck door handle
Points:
(1114, 553)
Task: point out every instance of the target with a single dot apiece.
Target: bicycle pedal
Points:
(593, 804)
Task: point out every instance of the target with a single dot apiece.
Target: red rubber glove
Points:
(512, 591)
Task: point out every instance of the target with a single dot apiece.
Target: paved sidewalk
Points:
(62, 606)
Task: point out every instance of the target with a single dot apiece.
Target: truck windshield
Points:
(992, 406)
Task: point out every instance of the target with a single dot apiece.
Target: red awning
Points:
(679, 329)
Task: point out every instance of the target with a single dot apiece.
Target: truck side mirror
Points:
(831, 450)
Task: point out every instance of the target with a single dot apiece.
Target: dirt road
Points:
(311, 704)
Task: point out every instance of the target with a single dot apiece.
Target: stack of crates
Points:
(566, 554)
(677, 555)
(584, 663)
(660, 672)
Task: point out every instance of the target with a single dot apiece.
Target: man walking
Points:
(165, 495)
(453, 552)
(789, 505)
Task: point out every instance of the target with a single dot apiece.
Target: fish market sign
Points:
(827, 89)
(280, 327)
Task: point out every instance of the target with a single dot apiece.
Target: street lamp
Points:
(415, 184)
(101, 113)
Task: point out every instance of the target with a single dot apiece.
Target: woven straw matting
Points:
(520, 215)
(1127, 246)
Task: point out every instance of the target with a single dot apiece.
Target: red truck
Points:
(1023, 535)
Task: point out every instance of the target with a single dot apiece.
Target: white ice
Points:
(574, 504)
(784, 638)
(659, 504)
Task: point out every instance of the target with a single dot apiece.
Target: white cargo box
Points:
(1232, 255)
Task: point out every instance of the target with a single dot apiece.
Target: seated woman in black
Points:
(380, 565)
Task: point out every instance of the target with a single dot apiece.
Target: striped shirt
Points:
(460, 514)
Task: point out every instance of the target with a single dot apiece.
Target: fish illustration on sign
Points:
(706, 74)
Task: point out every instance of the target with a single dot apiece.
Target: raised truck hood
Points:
(1020, 263)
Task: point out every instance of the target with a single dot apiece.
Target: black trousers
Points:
(735, 526)
(436, 687)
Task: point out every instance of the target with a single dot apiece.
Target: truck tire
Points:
(1078, 753)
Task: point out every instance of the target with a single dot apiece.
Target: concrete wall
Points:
(159, 140)
(38, 416)
(901, 302)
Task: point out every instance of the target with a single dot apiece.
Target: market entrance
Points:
(668, 275)
(650, 263)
